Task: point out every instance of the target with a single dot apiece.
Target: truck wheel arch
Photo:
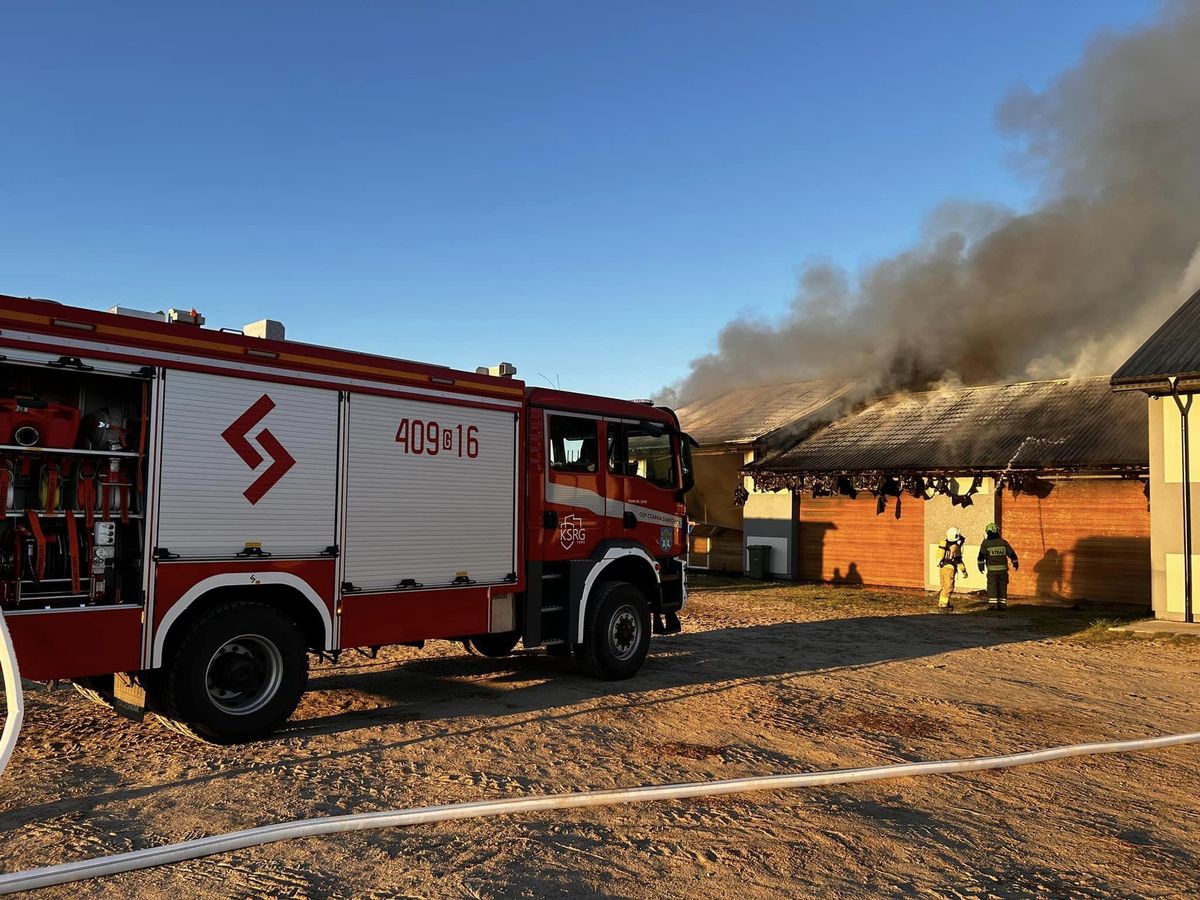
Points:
(632, 564)
(240, 585)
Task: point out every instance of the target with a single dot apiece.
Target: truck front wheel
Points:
(616, 631)
(235, 674)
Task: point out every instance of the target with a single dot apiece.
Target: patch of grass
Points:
(1100, 632)
(872, 600)
(728, 584)
(1186, 641)
(843, 598)
(1088, 623)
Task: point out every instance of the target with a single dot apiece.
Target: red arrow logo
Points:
(281, 460)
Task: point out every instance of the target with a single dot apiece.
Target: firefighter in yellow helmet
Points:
(994, 555)
(950, 564)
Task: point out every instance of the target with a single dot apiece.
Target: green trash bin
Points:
(760, 561)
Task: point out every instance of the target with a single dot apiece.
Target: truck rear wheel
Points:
(493, 646)
(616, 631)
(236, 674)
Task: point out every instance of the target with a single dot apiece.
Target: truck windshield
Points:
(643, 450)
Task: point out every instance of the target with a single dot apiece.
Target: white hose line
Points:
(253, 837)
(13, 696)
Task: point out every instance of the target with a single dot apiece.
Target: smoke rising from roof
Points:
(1070, 288)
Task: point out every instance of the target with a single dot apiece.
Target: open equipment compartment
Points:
(72, 477)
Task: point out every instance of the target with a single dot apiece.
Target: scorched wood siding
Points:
(1087, 538)
(710, 501)
(717, 537)
(845, 541)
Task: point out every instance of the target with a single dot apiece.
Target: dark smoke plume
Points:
(1070, 288)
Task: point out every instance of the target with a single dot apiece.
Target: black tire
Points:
(235, 674)
(616, 631)
(493, 646)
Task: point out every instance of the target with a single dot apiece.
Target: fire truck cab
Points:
(188, 513)
(606, 524)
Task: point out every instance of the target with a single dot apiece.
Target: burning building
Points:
(987, 296)
(733, 428)
(1061, 465)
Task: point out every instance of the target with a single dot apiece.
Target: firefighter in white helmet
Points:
(950, 565)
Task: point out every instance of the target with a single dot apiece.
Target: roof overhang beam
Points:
(1159, 385)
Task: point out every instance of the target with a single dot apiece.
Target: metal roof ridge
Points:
(705, 399)
(997, 385)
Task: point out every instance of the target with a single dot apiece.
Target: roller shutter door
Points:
(431, 491)
(247, 461)
(1087, 538)
(844, 541)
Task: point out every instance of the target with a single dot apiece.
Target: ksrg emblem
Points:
(571, 532)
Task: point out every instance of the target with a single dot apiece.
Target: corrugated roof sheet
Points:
(1077, 424)
(1172, 350)
(743, 415)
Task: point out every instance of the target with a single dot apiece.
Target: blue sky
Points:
(589, 190)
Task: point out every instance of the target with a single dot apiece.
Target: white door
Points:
(430, 493)
(247, 462)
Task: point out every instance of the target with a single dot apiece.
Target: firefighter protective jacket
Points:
(995, 552)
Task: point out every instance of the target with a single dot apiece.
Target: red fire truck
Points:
(188, 513)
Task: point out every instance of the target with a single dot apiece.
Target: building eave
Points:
(1158, 385)
(1114, 470)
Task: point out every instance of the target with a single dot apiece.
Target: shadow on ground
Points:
(466, 689)
(448, 688)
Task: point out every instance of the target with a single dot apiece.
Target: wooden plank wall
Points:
(845, 541)
(711, 500)
(710, 503)
(1087, 538)
(720, 553)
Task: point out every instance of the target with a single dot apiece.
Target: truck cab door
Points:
(642, 503)
(575, 486)
(616, 526)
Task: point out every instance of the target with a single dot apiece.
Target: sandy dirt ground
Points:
(763, 680)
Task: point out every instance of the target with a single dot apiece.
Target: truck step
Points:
(552, 609)
(553, 642)
(551, 576)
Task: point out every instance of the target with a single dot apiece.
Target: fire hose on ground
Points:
(14, 697)
(66, 873)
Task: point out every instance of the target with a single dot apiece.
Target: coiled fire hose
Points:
(82, 870)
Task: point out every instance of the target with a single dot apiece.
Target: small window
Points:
(573, 444)
(643, 450)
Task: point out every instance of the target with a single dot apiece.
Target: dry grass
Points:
(1087, 623)
(863, 600)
